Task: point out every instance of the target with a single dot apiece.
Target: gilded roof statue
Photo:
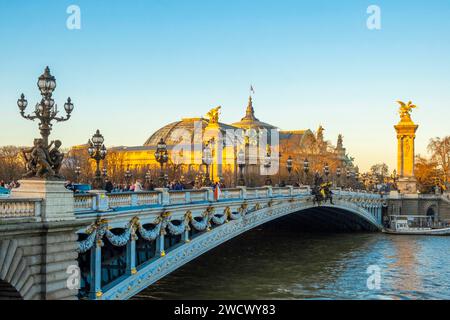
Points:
(320, 133)
(213, 115)
(405, 110)
(340, 141)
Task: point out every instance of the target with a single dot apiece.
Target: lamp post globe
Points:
(46, 83)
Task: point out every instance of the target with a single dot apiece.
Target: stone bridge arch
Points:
(334, 218)
(16, 281)
(346, 215)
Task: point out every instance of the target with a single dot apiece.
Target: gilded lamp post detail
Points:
(406, 134)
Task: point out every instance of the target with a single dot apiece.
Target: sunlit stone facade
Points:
(187, 137)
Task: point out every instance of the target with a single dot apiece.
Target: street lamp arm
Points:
(62, 119)
(28, 117)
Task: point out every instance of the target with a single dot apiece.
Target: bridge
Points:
(119, 244)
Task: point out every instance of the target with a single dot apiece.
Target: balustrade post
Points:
(96, 271)
(131, 255)
(243, 190)
(187, 197)
(101, 200)
(134, 200)
(37, 210)
(165, 197)
(209, 194)
(291, 190)
(269, 191)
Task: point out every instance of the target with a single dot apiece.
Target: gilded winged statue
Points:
(213, 115)
(405, 110)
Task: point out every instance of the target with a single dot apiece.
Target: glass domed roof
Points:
(175, 132)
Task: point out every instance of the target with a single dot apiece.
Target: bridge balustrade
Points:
(20, 208)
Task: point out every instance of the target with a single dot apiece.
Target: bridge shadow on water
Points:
(299, 256)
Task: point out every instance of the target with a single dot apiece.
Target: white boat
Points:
(416, 225)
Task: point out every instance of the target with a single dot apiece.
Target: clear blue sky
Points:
(137, 65)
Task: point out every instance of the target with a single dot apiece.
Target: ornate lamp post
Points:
(77, 173)
(267, 165)
(306, 170)
(104, 173)
(347, 178)
(45, 111)
(128, 175)
(162, 156)
(207, 160)
(338, 175)
(97, 151)
(357, 177)
(148, 176)
(394, 178)
(352, 178)
(289, 166)
(241, 165)
(326, 171)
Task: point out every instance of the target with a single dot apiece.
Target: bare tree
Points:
(12, 163)
(440, 153)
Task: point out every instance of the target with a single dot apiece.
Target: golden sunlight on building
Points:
(186, 139)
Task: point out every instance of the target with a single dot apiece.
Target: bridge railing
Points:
(18, 208)
(92, 201)
(164, 197)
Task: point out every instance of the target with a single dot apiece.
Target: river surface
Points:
(278, 262)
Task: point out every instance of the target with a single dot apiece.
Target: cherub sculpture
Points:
(42, 163)
(56, 157)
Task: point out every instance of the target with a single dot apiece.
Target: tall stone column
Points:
(406, 135)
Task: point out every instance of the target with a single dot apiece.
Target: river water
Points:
(278, 262)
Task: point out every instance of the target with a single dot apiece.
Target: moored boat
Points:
(416, 225)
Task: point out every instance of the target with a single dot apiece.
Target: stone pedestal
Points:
(58, 202)
(407, 185)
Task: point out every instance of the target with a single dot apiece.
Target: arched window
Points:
(431, 212)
